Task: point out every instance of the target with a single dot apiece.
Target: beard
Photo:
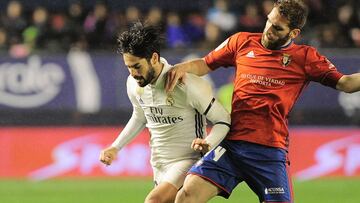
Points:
(275, 44)
(143, 81)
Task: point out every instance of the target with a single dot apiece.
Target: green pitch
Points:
(134, 191)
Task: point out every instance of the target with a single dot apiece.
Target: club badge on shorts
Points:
(286, 59)
(170, 100)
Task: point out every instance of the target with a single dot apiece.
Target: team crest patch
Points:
(286, 59)
(170, 100)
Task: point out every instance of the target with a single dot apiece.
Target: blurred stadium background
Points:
(63, 99)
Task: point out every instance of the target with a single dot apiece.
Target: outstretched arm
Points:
(349, 83)
(177, 73)
(131, 130)
(133, 127)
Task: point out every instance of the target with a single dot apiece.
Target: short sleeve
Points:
(224, 54)
(199, 93)
(320, 69)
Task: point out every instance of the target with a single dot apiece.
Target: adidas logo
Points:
(250, 54)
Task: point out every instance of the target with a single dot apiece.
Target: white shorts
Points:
(173, 173)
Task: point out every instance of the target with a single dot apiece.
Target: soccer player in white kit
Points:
(176, 120)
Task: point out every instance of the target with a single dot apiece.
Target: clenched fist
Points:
(200, 145)
(108, 155)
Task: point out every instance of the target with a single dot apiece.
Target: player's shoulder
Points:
(193, 79)
(240, 38)
(130, 80)
(131, 83)
(247, 35)
(194, 82)
(305, 50)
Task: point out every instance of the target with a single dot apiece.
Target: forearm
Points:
(217, 134)
(349, 83)
(221, 124)
(196, 66)
(131, 130)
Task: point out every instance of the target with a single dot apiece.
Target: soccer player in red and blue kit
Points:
(271, 72)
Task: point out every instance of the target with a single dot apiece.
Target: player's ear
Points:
(154, 58)
(294, 33)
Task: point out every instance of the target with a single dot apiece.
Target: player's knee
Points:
(159, 199)
(183, 196)
(152, 199)
(188, 192)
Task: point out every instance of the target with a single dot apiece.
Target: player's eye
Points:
(277, 28)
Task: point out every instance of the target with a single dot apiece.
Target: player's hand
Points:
(108, 155)
(200, 145)
(174, 75)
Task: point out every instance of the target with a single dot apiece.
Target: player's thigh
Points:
(269, 179)
(164, 192)
(176, 172)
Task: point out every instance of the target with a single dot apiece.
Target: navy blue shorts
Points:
(264, 169)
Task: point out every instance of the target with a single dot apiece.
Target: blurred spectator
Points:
(347, 20)
(76, 15)
(14, 22)
(132, 15)
(3, 40)
(205, 26)
(37, 33)
(95, 27)
(330, 36)
(221, 16)
(59, 33)
(267, 6)
(355, 36)
(213, 37)
(251, 20)
(155, 17)
(175, 34)
(194, 27)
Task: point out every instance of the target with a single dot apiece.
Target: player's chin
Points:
(141, 83)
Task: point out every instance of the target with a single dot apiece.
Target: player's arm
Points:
(177, 73)
(320, 69)
(135, 125)
(200, 96)
(349, 83)
(223, 55)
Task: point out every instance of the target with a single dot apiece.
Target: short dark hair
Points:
(140, 40)
(295, 11)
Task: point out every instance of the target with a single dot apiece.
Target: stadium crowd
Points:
(331, 24)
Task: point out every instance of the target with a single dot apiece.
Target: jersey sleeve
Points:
(224, 54)
(319, 69)
(200, 96)
(136, 123)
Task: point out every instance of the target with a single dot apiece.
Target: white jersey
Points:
(174, 120)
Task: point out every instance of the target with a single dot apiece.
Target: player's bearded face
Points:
(149, 76)
(273, 44)
(140, 69)
(276, 33)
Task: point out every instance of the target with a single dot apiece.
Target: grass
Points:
(134, 191)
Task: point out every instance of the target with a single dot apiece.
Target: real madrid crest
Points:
(286, 59)
(170, 100)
